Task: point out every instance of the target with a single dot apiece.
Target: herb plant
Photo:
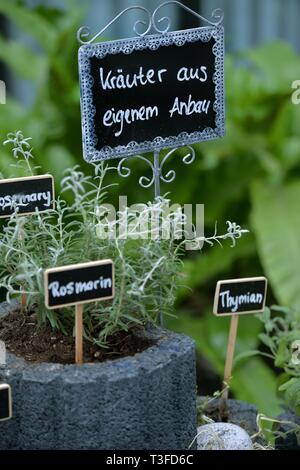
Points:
(147, 266)
(253, 169)
(282, 338)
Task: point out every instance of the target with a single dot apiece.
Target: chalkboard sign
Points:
(79, 283)
(152, 92)
(26, 195)
(5, 402)
(238, 296)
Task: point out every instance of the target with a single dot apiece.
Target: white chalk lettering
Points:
(190, 107)
(187, 74)
(78, 287)
(109, 81)
(24, 200)
(234, 302)
(128, 116)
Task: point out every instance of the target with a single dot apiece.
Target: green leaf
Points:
(252, 381)
(246, 355)
(28, 65)
(267, 58)
(30, 22)
(278, 236)
(212, 262)
(265, 339)
(292, 392)
(56, 160)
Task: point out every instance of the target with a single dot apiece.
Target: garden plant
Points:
(147, 265)
(253, 170)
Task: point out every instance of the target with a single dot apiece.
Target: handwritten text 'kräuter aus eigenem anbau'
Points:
(119, 81)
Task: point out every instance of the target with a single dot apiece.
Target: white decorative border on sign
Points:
(153, 42)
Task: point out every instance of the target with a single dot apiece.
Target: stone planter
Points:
(147, 401)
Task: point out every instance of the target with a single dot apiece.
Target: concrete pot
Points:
(147, 401)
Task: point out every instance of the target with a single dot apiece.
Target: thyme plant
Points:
(282, 338)
(147, 266)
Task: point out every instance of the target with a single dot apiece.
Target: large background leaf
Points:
(276, 221)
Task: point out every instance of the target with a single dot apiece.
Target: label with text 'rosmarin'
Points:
(26, 195)
(79, 283)
(237, 296)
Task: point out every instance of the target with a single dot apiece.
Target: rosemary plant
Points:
(147, 266)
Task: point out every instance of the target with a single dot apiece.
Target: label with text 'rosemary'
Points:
(26, 195)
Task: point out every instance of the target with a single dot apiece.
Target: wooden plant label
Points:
(79, 283)
(233, 298)
(5, 402)
(26, 194)
(240, 296)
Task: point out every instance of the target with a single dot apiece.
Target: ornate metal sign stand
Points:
(153, 23)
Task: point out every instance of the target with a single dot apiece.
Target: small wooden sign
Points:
(5, 402)
(240, 296)
(233, 298)
(79, 284)
(26, 194)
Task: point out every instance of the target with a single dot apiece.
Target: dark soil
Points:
(22, 337)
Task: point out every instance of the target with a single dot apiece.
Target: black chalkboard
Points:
(26, 194)
(240, 296)
(79, 283)
(5, 402)
(153, 92)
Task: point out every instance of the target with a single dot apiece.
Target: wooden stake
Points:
(23, 301)
(23, 295)
(79, 333)
(229, 359)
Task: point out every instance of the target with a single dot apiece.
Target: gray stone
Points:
(147, 401)
(223, 436)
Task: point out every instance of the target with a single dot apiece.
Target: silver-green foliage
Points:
(147, 265)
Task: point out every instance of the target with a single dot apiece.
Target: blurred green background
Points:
(251, 176)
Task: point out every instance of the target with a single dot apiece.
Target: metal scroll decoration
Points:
(157, 169)
(84, 33)
(160, 26)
